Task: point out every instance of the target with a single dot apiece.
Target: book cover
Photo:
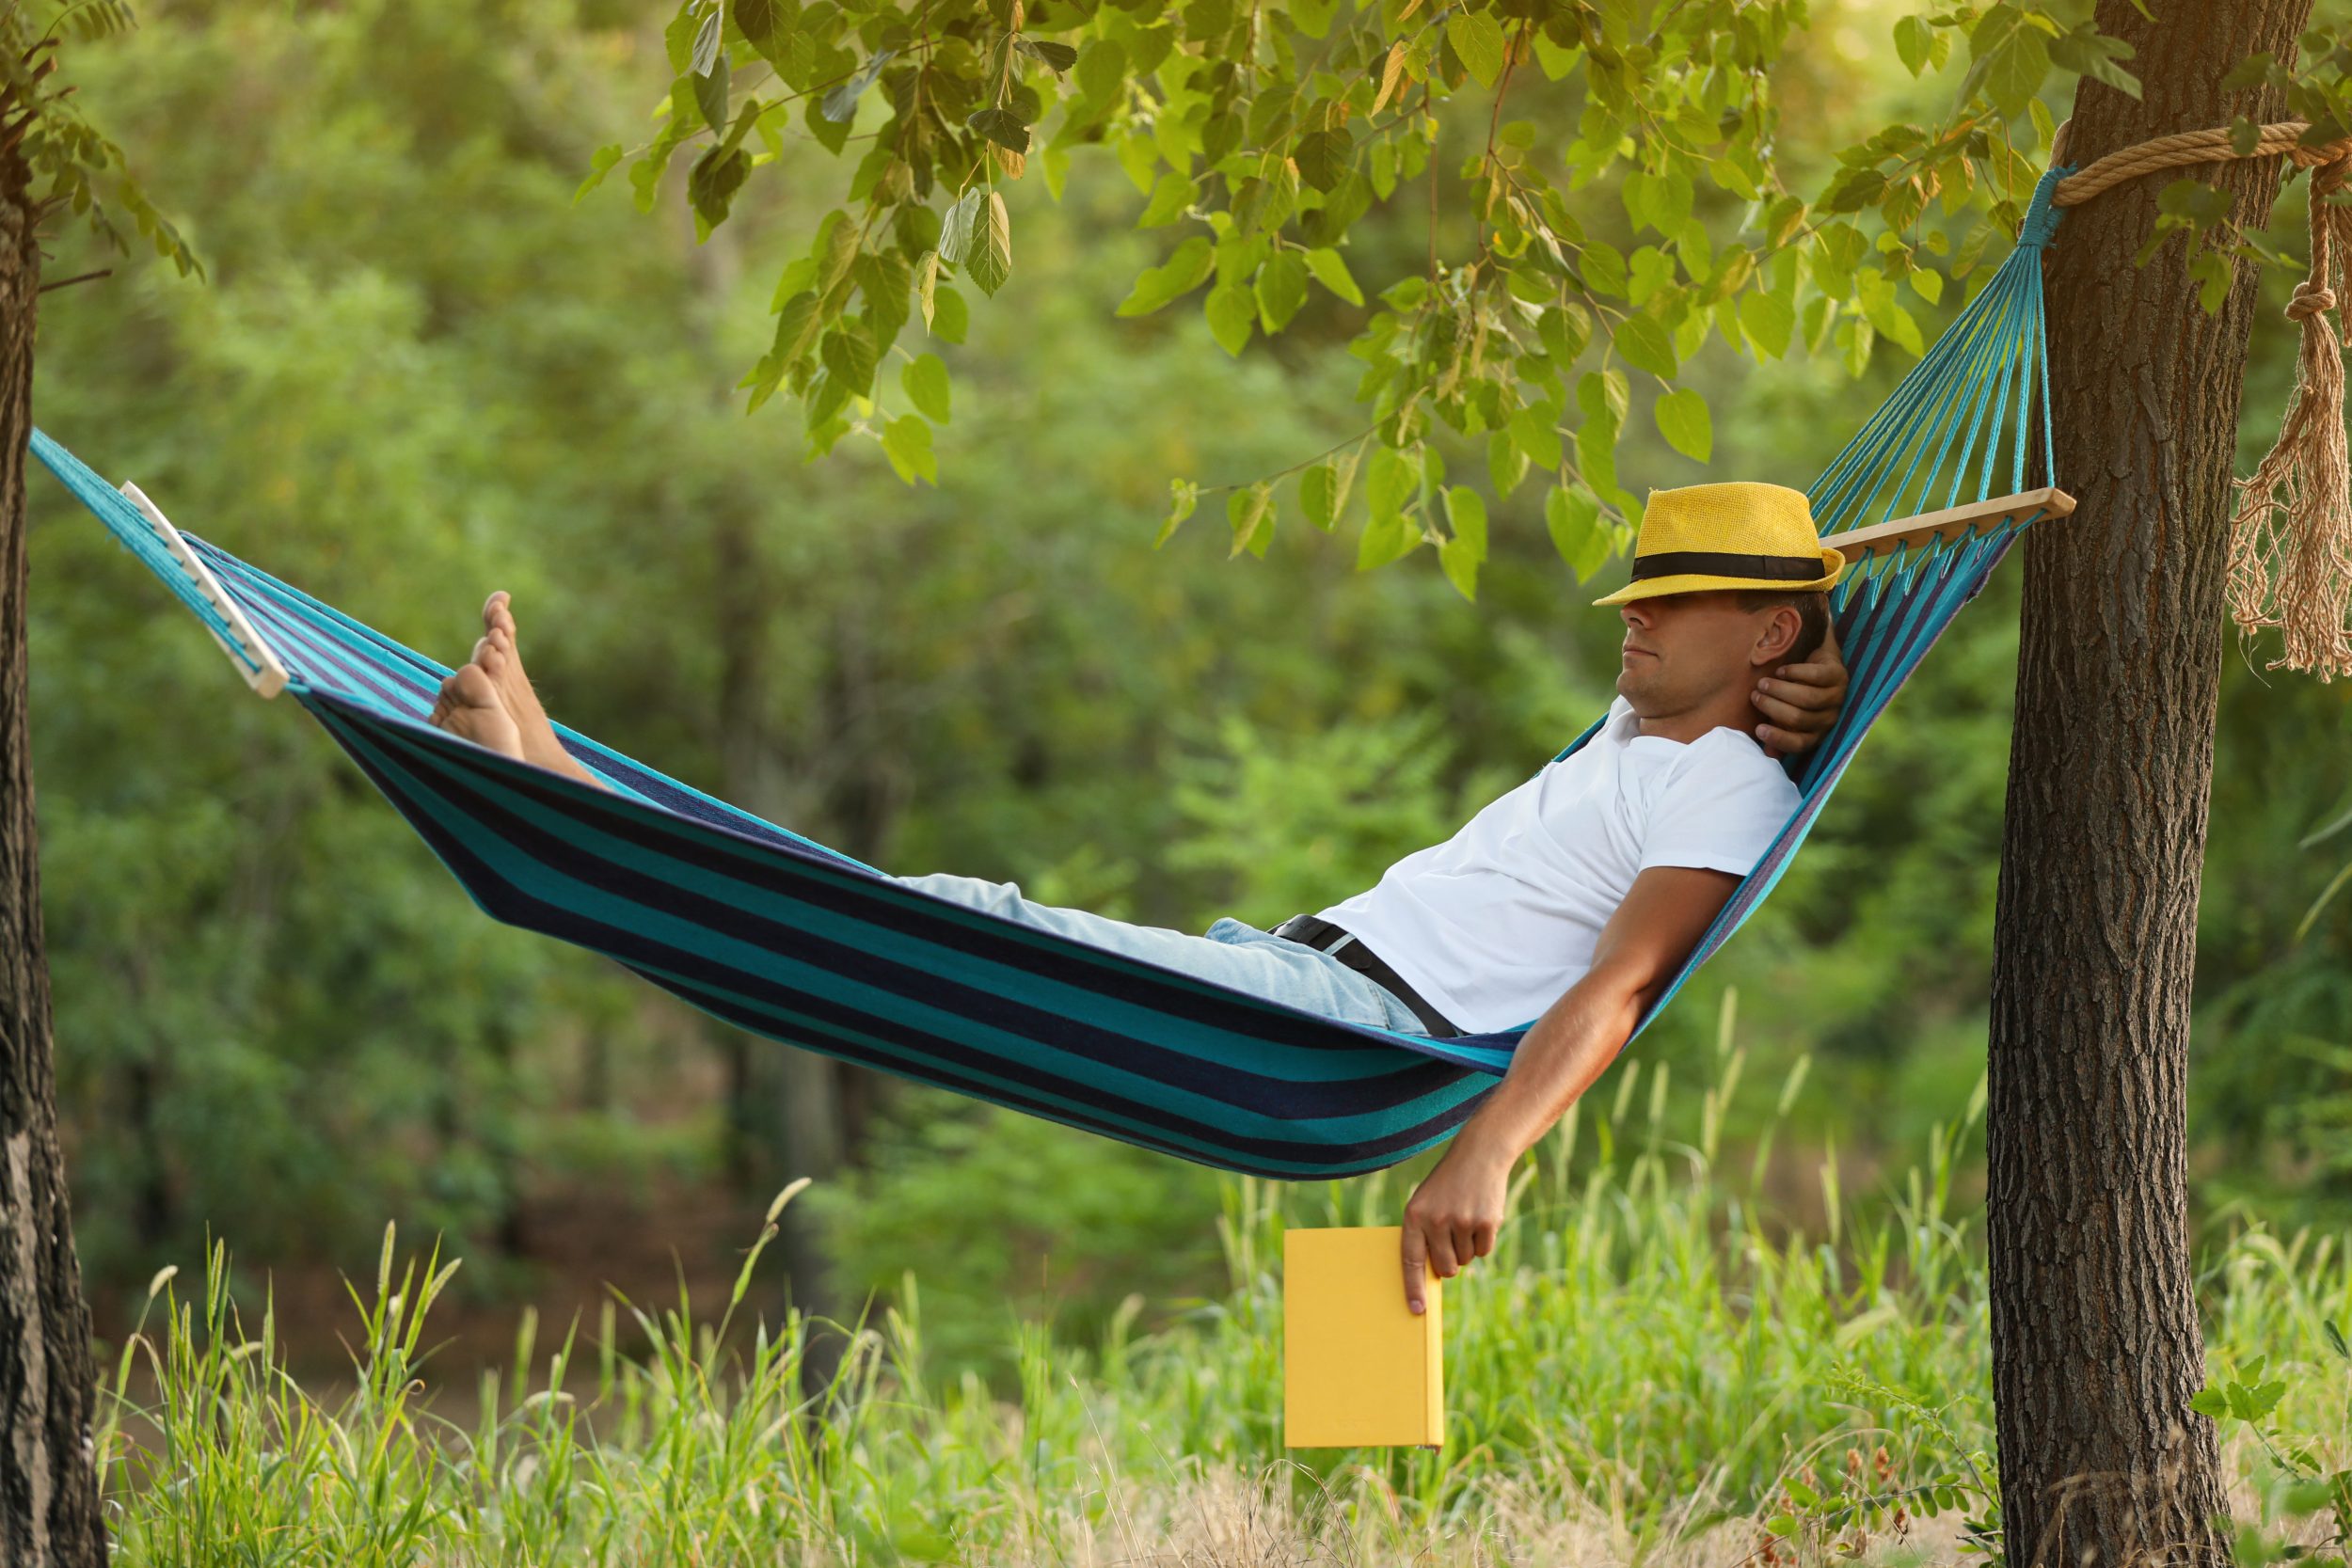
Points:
(1358, 1367)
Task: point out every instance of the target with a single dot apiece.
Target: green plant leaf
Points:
(1001, 126)
(1572, 518)
(907, 442)
(1232, 312)
(1683, 420)
(1477, 38)
(1322, 157)
(1646, 345)
(849, 353)
(1250, 511)
(1281, 289)
(925, 382)
(1184, 270)
(991, 262)
(1330, 270)
(1768, 320)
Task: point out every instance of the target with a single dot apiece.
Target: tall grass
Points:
(1649, 1366)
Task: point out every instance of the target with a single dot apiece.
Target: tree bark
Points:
(2096, 1344)
(49, 1511)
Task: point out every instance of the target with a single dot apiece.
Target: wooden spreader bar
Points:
(1951, 523)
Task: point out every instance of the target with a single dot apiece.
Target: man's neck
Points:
(1729, 710)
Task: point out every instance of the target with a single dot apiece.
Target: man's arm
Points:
(1452, 1216)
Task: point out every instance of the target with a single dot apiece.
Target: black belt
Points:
(1344, 945)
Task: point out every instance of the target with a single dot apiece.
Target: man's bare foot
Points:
(469, 705)
(502, 660)
(500, 664)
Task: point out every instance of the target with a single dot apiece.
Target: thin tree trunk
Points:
(48, 1511)
(786, 1118)
(2096, 1342)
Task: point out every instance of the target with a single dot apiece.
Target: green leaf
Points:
(1330, 270)
(1506, 463)
(1477, 38)
(1603, 268)
(1250, 510)
(1768, 320)
(1535, 431)
(927, 284)
(1001, 126)
(954, 317)
(1564, 330)
(1466, 514)
(1912, 43)
(1318, 496)
(1322, 155)
(1459, 563)
(907, 442)
(1170, 196)
(1683, 420)
(2011, 57)
(600, 165)
(1646, 345)
(1184, 494)
(1386, 538)
(1604, 396)
(758, 18)
(708, 39)
(991, 262)
(955, 230)
(839, 107)
(796, 326)
(1392, 482)
(1281, 289)
(849, 353)
(1184, 270)
(925, 382)
(710, 95)
(1053, 57)
(1232, 312)
(1101, 68)
(1572, 518)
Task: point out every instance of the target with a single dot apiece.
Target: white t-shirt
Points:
(1491, 925)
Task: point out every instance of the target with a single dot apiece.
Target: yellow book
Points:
(1359, 1369)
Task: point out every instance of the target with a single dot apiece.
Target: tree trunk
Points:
(2096, 1346)
(785, 1116)
(48, 1480)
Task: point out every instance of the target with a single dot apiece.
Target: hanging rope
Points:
(2290, 534)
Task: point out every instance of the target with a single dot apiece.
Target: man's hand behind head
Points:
(1800, 701)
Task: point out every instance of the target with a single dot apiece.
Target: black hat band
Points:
(1721, 563)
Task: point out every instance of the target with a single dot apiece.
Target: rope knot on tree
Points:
(2290, 562)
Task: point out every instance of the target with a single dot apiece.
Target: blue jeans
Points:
(1229, 952)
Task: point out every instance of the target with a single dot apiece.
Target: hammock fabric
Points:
(781, 936)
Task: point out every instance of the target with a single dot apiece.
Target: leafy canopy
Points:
(1623, 195)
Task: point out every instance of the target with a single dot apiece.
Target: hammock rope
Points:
(2290, 562)
(777, 934)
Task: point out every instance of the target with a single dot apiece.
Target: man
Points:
(1601, 872)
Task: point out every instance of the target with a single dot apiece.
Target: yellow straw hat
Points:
(1736, 536)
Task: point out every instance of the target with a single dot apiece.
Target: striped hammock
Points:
(782, 936)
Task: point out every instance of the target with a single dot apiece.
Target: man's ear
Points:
(1781, 630)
